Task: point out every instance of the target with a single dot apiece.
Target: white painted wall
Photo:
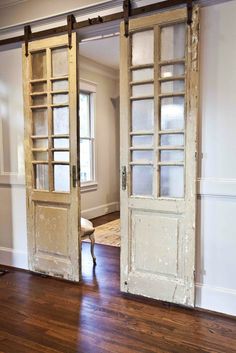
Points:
(216, 243)
(216, 260)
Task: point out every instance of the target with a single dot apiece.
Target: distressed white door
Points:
(51, 156)
(159, 98)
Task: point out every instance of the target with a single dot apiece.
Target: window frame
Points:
(88, 87)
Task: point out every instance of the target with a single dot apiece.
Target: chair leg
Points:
(92, 239)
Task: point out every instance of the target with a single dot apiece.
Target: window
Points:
(87, 155)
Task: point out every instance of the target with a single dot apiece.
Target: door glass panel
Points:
(172, 113)
(85, 165)
(40, 122)
(62, 178)
(61, 120)
(172, 70)
(142, 48)
(39, 65)
(142, 140)
(62, 156)
(40, 143)
(39, 100)
(172, 140)
(41, 156)
(59, 62)
(172, 156)
(173, 42)
(172, 86)
(142, 75)
(38, 87)
(143, 90)
(60, 85)
(61, 143)
(172, 181)
(142, 156)
(142, 115)
(41, 177)
(60, 98)
(142, 180)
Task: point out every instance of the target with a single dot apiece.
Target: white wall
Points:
(216, 260)
(216, 241)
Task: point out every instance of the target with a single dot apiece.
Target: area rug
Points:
(108, 234)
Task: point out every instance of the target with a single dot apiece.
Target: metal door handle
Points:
(74, 176)
(124, 177)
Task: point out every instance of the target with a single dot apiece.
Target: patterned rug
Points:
(108, 233)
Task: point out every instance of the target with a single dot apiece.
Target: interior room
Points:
(117, 176)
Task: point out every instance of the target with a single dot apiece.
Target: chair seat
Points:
(86, 227)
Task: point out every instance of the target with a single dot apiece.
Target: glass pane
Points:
(172, 140)
(39, 100)
(142, 156)
(38, 87)
(41, 176)
(172, 181)
(61, 120)
(142, 177)
(60, 85)
(142, 115)
(39, 66)
(142, 140)
(142, 48)
(62, 178)
(84, 115)
(40, 122)
(85, 160)
(60, 99)
(61, 143)
(172, 113)
(172, 70)
(141, 75)
(40, 156)
(173, 86)
(40, 143)
(62, 156)
(172, 156)
(173, 42)
(143, 90)
(59, 62)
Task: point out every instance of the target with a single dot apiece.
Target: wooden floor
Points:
(46, 315)
(105, 219)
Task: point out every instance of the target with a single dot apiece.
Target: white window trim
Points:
(91, 87)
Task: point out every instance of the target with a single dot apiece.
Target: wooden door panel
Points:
(51, 153)
(159, 104)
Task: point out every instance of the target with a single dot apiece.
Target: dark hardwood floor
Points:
(47, 315)
(105, 219)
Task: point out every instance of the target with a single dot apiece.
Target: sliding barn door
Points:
(159, 90)
(51, 155)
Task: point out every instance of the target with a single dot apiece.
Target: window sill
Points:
(90, 186)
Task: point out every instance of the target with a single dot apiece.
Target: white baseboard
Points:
(222, 300)
(15, 258)
(100, 210)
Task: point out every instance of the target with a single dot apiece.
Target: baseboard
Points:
(101, 210)
(13, 258)
(216, 299)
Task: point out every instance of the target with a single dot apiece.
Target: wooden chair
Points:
(87, 232)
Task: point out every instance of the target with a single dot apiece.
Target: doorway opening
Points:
(99, 143)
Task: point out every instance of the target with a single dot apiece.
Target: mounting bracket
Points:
(27, 35)
(190, 12)
(95, 20)
(127, 11)
(70, 26)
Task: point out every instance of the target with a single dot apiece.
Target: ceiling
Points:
(105, 51)
(8, 3)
